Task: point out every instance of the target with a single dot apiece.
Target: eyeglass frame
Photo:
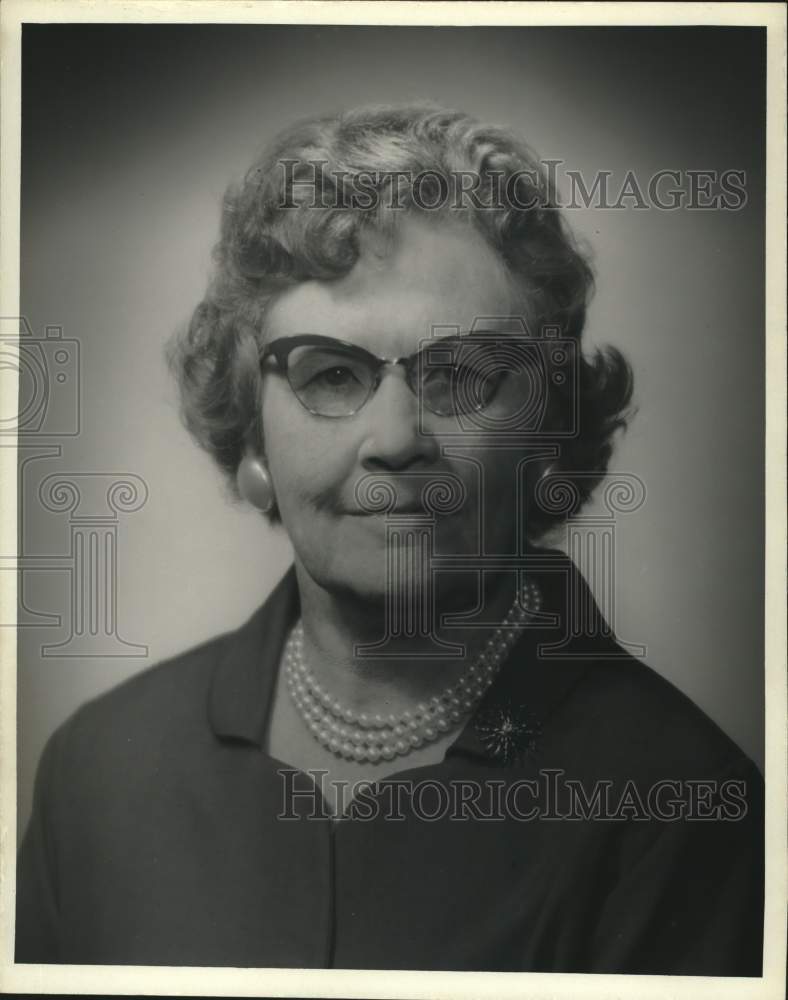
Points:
(281, 348)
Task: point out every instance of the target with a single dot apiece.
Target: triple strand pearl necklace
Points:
(363, 737)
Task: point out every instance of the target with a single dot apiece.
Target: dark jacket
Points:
(158, 833)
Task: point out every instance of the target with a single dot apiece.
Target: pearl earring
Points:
(254, 483)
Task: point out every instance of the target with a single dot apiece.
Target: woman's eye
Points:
(440, 376)
(464, 374)
(452, 375)
(336, 378)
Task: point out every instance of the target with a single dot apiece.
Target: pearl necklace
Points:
(371, 738)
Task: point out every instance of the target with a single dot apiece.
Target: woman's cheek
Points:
(304, 478)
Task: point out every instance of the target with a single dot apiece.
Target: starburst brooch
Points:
(508, 732)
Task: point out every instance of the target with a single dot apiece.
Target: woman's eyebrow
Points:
(460, 334)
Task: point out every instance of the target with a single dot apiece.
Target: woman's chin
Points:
(357, 556)
(375, 580)
(380, 586)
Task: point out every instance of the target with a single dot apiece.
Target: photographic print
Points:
(388, 409)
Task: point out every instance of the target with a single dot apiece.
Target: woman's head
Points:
(385, 227)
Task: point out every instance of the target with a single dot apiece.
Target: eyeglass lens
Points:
(457, 376)
(329, 381)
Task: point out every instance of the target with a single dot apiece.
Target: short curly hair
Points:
(296, 216)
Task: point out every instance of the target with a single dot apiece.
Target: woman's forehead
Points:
(430, 275)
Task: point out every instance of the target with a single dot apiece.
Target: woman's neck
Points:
(400, 670)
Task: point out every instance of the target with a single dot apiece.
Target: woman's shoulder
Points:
(130, 723)
(179, 701)
(640, 721)
(616, 709)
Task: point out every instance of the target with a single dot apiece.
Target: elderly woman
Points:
(425, 750)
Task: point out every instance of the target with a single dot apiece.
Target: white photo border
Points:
(349, 983)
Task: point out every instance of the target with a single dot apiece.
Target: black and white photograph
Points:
(394, 507)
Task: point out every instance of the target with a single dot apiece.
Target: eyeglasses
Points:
(449, 375)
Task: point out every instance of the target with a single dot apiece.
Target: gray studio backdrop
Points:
(130, 136)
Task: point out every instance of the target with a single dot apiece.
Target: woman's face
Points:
(433, 274)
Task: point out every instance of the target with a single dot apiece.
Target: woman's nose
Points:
(393, 439)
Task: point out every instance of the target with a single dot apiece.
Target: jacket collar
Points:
(244, 677)
(531, 679)
(243, 681)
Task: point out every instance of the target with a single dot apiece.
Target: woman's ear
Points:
(254, 482)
